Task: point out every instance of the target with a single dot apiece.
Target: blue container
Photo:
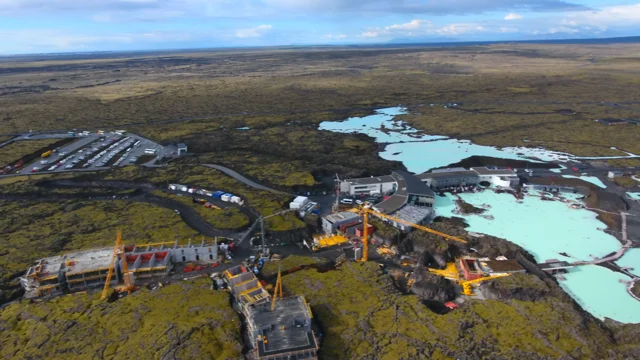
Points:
(218, 194)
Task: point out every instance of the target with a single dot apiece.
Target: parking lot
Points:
(97, 152)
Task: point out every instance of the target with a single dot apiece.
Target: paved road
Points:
(242, 179)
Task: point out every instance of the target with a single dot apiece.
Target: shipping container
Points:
(225, 197)
(218, 194)
(236, 199)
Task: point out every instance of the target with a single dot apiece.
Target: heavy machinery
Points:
(118, 253)
(366, 210)
(466, 284)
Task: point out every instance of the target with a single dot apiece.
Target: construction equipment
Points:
(118, 253)
(366, 210)
(326, 241)
(466, 285)
(277, 290)
(449, 272)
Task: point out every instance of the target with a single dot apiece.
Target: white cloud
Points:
(513, 16)
(336, 37)
(143, 15)
(253, 32)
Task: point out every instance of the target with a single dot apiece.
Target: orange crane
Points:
(365, 210)
(118, 253)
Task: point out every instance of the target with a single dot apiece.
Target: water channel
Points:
(544, 228)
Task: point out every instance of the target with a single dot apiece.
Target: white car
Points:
(359, 202)
(346, 201)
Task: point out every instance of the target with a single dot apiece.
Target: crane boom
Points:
(420, 227)
(366, 210)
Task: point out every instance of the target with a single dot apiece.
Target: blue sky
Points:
(39, 26)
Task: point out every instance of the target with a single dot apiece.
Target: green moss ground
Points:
(185, 320)
(265, 202)
(32, 230)
(18, 149)
(362, 316)
(229, 218)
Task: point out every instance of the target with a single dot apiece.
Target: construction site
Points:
(276, 326)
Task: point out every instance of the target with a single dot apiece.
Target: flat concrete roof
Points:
(341, 216)
(371, 180)
(282, 326)
(413, 214)
(89, 260)
(499, 172)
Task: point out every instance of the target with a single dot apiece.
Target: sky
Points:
(44, 26)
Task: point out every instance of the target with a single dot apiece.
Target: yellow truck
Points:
(46, 154)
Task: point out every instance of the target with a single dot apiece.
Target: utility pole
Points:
(262, 234)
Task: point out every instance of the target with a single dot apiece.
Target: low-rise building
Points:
(614, 174)
(449, 178)
(367, 186)
(331, 223)
(497, 177)
(182, 149)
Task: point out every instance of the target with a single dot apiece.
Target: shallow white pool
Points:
(600, 291)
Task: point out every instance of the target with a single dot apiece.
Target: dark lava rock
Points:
(432, 287)
(522, 287)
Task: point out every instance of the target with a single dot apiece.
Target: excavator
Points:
(119, 253)
(365, 210)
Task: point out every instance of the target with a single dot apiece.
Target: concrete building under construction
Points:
(88, 269)
(275, 329)
(283, 332)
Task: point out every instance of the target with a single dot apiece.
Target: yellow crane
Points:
(466, 284)
(366, 210)
(277, 291)
(118, 253)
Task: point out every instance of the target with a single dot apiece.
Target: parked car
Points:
(346, 201)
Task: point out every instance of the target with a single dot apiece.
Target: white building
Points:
(367, 186)
(497, 177)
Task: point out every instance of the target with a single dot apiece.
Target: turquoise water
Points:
(420, 152)
(631, 259)
(599, 291)
(635, 196)
(592, 179)
(544, 228)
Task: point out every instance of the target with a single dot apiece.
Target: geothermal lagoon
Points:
(547, 229)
